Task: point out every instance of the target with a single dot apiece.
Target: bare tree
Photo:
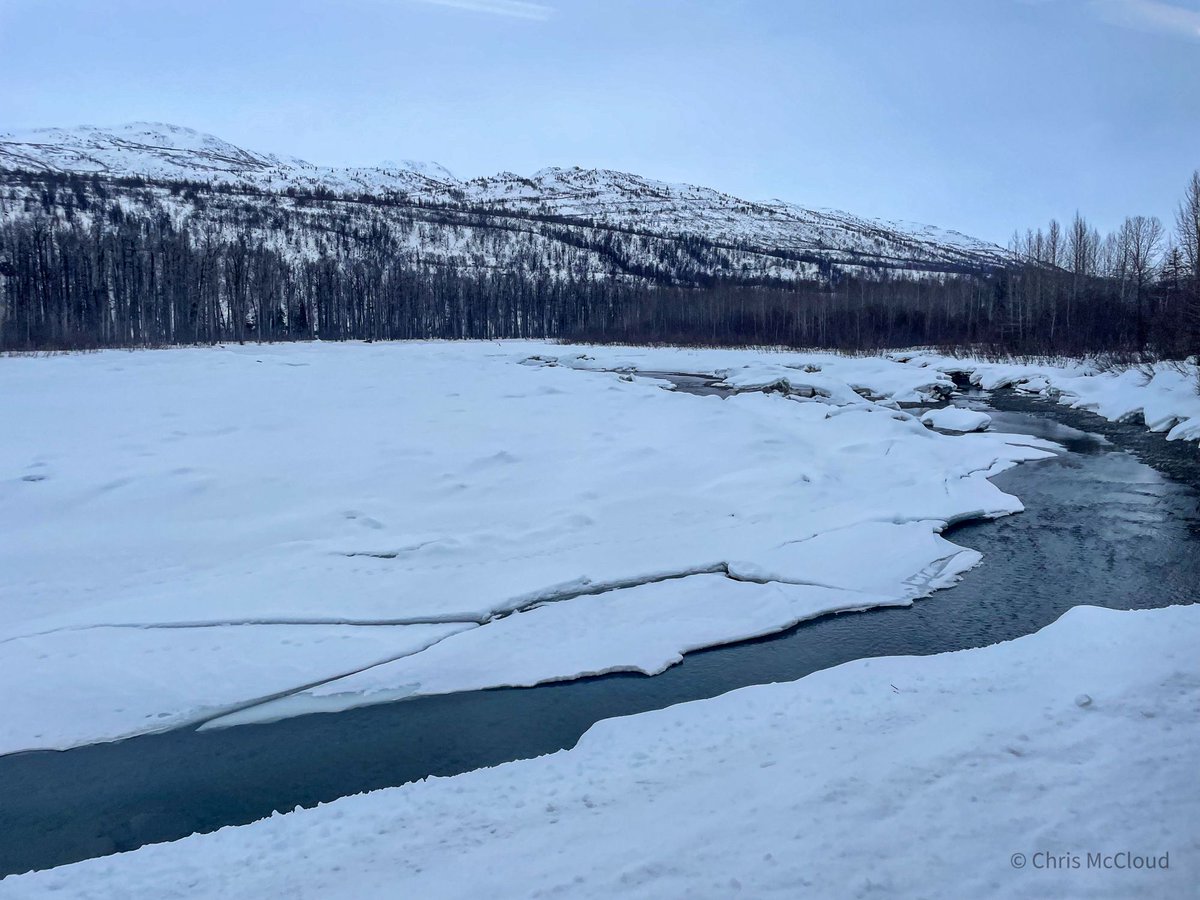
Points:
(1054, 244)
(1141, 244)
(1188, 236)
(1188, 222)
(1083, 248)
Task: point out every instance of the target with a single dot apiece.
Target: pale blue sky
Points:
(981, 115)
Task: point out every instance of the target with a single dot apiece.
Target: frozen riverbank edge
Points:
(256, 532)
(373, 542)
(1165, 397)
(1133, 649)
(974, 773)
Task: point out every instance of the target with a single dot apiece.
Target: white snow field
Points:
(314, 511)
(339, 525)
(237, 534)
(1049, 766)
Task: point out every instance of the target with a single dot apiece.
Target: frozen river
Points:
(1100, 528)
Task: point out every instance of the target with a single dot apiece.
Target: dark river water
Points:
(1100, 528)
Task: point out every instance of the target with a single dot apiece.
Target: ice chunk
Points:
(955, 418)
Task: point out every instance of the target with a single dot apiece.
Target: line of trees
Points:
(83, 265)
(1068, 290)
(144, 282)
(1137, 288)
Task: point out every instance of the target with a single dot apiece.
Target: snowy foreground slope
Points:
(347, 524)
(1062, 764)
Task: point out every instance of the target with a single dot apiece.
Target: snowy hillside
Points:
(744, 240)
(142, 148)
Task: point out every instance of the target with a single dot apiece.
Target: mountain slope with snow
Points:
(771, 239)
(139, 148)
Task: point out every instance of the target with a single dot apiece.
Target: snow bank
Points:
(78, 684)
(972, 774)
(317, 514)
(1164, 395)
(954, 418)
(842, 380)
(643, 629)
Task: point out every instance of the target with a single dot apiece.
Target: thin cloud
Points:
(513, 9)
(1157, 16)
(1151, 15)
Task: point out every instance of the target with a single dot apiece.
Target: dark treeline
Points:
(142, 282)
(1068, 291)
(80, 268)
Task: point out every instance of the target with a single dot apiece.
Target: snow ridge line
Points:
(219, 712)
(521, 604)
(723, 568)
(921, 583)
(222, 623)
(212, 715)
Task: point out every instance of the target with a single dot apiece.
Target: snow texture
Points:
(257, 531)
(949, 776)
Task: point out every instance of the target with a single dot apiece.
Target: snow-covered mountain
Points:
(142, 148)
(742, 239)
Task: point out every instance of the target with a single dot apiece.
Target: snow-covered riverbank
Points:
(235, 535)
(260, 531)
(1049, 766)
(1165, 396)
(343, 524)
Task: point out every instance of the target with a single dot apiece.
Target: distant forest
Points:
(90, 262)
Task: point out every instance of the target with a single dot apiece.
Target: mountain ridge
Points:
(604, 198)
